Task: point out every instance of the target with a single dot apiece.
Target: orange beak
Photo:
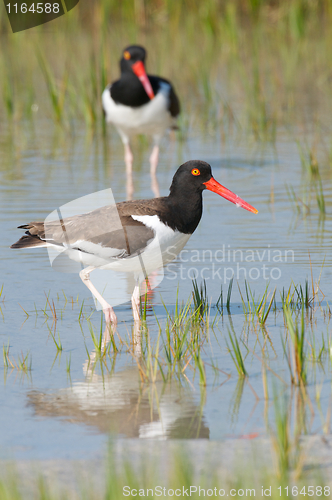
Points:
(213, 185)
(139, 70)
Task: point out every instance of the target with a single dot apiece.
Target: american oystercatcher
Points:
(132, 236)
(138, 103)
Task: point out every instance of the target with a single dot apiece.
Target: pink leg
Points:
(135, 302)
(110, 316)
(154, 159)
(153, 168)
(137, 338)
(129, 171)
(128, 157)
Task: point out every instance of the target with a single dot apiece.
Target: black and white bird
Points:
(123, 236)
(138, 103)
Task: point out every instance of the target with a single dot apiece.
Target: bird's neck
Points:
(129, 80)
(129, 91)
(187, 207)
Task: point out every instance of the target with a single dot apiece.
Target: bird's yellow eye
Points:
(126, 55)
(195, 171)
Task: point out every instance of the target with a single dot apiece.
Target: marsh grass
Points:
(22, 364)
(68, 364)
(312, 184)
(298, 296)
(294, 346)
(281, 437)
(229, 294)
(317, 351)
(189, 349)
(200, 299)
(97, 337)
(243, 86)
(180, 347)
(56, 92)
(286, 446)
(5, 354)
(320, 197)
(260, 307)
(220, 302)
(174, 352)
(149, 362)
(302, 205)
(57, 342)
(309, 162)
(236, 355)
(81, 310)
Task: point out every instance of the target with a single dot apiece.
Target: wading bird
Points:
(122, 236)
(138, 103)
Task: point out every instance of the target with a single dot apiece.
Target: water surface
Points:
(50, 413)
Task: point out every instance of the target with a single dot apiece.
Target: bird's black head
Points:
(130, 56)
(132, 63)
(193, 177)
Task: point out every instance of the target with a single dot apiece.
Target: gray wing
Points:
(106, 227)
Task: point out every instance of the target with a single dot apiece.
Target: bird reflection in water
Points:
(119, 403)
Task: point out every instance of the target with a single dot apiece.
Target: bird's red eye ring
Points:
(195, 171)
(126, 55)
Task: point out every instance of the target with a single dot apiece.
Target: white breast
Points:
(170, 241)
(152, 118)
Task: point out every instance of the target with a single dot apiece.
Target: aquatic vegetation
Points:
(98, 338)
(68, 364)
(200, 299)
(266, 81)
(320, 197)
(57, 343)
(236, 355)
(298, 296)
(294, 346)
(196, 353)
(5, 352)
(286, 445)
(220, 304)
(56, 92)
(22, 364)
(312, 184)
(260, 307)
(302, 205)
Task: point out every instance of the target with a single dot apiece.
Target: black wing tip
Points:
(27, 241)
(18, 244)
